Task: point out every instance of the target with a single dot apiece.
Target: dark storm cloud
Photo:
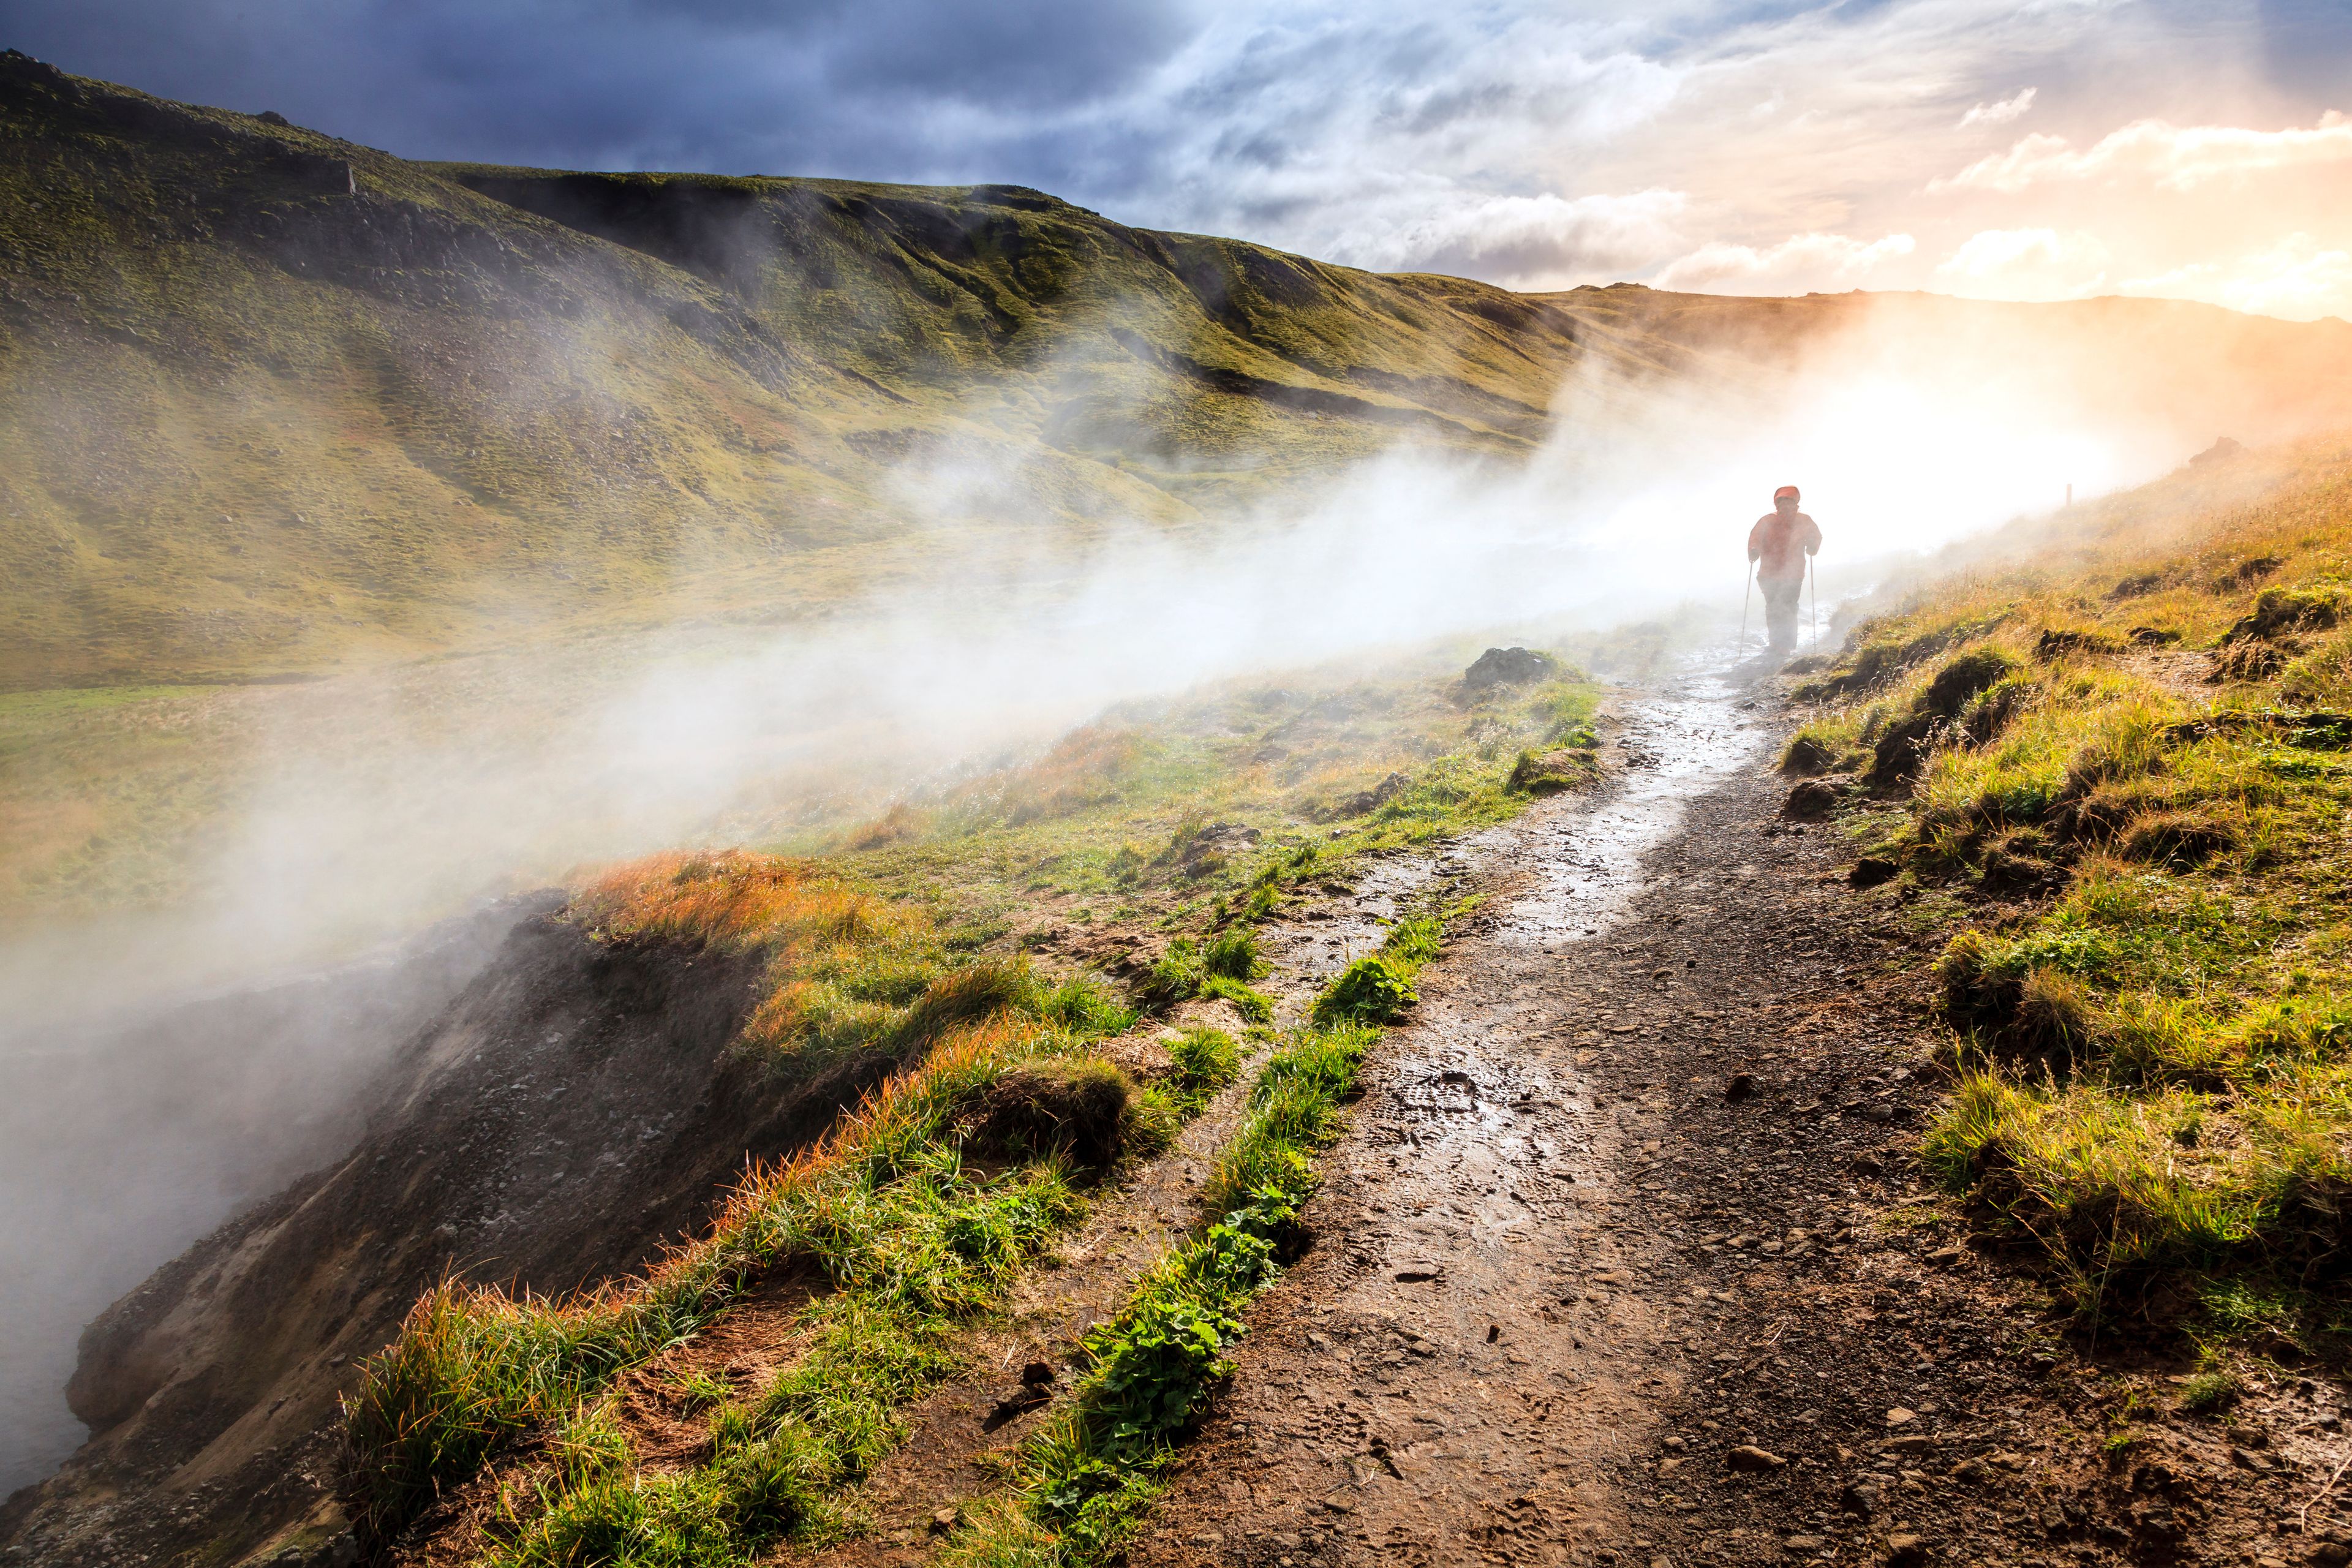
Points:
(804, 86)
(1785, 145)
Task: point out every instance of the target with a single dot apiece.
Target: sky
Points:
(2047, 148)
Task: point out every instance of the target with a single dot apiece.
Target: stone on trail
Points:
(1871, 870)
(1905, 1551)
(1750, 1459)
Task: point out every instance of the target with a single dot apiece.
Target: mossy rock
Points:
(1553, 771)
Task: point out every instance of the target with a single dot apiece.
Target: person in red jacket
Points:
(1779, 544)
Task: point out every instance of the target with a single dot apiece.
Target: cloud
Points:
(1527, 144)
(2025, 264)
(2298, 279)
(2176, 157)
(1813, 259)
(1528, 242)
(1999, 113)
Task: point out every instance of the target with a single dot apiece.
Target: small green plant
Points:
(1175, 978)
(1235, 955)
(1374, 989)
(1085, 1007)
(1416, 941)
(1206, 1060)
(2210, 1392)
(1254, 1006)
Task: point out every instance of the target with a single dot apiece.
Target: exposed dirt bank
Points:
(132, 1130)
(564, 1115)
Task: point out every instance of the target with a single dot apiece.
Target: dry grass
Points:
(2155, 1018)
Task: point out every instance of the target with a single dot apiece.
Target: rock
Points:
(1750, 1459)
(1208, 850)
(1871, 870)
(1971, 1472)
(2331, 1553)
(943, 1521)
(1806, 757)
(1859, 1501)
(1739, 1085)
(2223, 449)
(1898, 1416)
(1509, 667)
(1804, 1544)
(1553, 771)
(1364, 801)
(1811, 799)
(1904, 1551)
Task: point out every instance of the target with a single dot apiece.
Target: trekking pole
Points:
(1747, 592)
(1814, 597)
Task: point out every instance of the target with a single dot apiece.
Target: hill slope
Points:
(272, 401)
(269, 396)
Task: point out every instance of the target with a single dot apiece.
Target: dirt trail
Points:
(1622, 1259)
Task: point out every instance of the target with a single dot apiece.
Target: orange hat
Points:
(1789, 491)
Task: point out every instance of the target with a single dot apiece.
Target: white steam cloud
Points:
(391, 801)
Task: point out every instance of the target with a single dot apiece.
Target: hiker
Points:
(1779, 544)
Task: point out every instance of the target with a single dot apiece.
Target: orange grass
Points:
(731, 899)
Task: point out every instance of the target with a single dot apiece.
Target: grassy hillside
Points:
(2119, 768)
(272, 402)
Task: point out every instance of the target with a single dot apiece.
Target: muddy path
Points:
(1624, 1258)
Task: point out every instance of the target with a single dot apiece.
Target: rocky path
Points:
(1624, 1259)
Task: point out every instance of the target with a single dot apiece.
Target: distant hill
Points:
(270, 401)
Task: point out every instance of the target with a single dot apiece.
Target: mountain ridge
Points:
(278, 403)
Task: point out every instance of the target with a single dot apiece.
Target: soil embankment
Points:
(568, 1112)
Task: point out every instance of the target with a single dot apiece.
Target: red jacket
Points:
(1780, 546)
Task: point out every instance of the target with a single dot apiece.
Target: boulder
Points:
(1553, 771)
(1813, 799)
(1509, 667)
(1366, 801)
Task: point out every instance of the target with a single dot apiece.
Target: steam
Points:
(388, 800)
